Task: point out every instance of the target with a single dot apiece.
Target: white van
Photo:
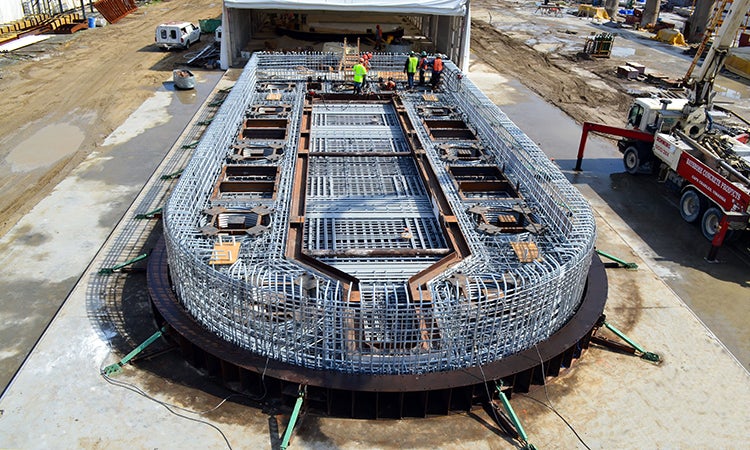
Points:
(177, 34)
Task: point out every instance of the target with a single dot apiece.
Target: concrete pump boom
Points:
(700, 88)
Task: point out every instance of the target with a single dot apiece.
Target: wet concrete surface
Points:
(674, 249)
(44, 255)
(59, 400)
(612, 400)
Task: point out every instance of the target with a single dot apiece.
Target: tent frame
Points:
(449, 31)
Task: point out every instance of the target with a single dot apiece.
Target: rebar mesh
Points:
(370, 215)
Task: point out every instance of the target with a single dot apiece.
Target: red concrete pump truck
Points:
(678, 137)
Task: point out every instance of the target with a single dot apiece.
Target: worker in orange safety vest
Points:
(437, 70)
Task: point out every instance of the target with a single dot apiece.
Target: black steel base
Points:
(374, 396)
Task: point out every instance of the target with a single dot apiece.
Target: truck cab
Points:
(177, 35)
(649, 115)
(654, 115)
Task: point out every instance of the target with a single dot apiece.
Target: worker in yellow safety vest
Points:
(359, 75)
(411, 68)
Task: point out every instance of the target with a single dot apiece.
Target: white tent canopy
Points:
(445, 23)
(432, 7)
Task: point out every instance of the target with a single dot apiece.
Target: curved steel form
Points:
(387, 234)
(375, 396)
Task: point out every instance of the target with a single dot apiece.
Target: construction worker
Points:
(410, 67)
(423, 65)
(378, 38)
(437, 70)
(389, 85)
(359, 75)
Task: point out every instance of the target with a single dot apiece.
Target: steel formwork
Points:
(388, 234)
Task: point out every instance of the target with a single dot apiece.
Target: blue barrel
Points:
(92, 22)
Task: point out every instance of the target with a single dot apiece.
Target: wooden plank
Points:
(225, 252)
(526, 251)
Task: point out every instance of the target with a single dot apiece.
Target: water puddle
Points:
(184, 96)
(187, 97)
(622, 52)
(45, 147)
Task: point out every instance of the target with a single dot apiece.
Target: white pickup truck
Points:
(177, 34)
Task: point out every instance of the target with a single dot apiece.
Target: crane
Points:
(712, 177)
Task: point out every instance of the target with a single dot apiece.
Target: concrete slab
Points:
(694, 398)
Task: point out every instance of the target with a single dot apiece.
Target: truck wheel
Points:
(631, 160)
(692, 205)
(711, 222)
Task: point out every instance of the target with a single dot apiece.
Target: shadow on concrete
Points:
(177, 57)
(119, 308)
(650, 208)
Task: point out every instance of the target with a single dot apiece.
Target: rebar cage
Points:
(365, 296)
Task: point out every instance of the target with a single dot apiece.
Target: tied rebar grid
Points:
(536, 299)
(372, 217)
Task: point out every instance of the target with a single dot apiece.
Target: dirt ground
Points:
(87, 85)
(559, 80)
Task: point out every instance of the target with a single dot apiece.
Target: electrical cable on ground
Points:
(550, 405)
(489, 397)
(168, 406)
(171, 407)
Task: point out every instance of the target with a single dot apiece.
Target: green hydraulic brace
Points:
(172, 175)
(150, 215)
(216, 103)
(204, 122)
(293, 418)
(191, 145)
(648, 356)
(514, 418)
(117, 367)
(625, 264)
(111, 270)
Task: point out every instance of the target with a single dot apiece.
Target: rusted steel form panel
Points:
(114, 10)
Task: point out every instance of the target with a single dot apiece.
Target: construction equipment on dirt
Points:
(684, 139)
(599, 46)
